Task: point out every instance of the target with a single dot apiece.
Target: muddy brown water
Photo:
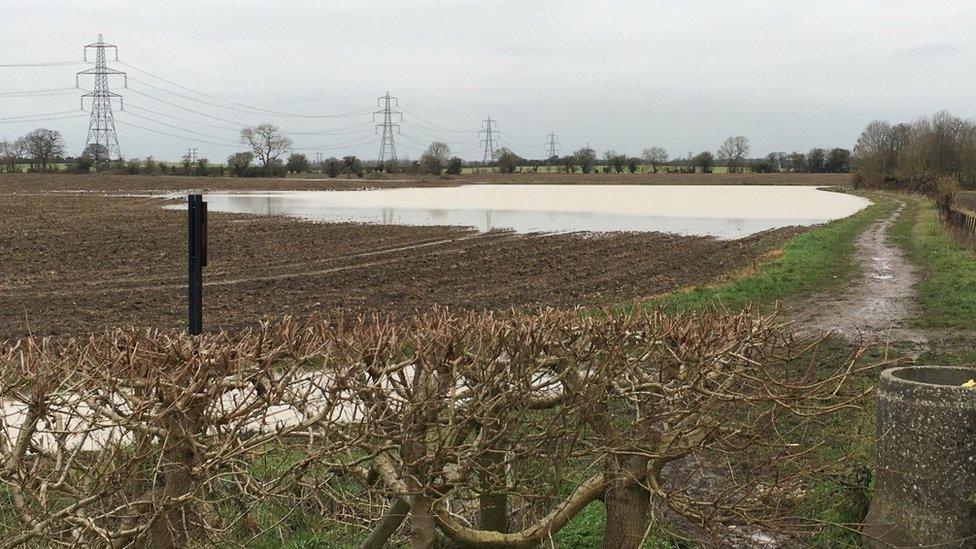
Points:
(726, 212)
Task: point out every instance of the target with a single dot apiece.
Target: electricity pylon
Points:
(489, 128)
(101, 124)
(552, 145)
(390, 118)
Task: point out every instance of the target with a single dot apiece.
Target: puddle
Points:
(725, 212)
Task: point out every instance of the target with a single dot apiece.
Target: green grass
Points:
(838, 502)
(947, 294)
(819, 259)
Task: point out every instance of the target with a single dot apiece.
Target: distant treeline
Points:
(271, 154)
(915, 155)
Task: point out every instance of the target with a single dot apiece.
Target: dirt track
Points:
(77, 262)
(876, 305)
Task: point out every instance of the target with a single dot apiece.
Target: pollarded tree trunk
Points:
(421, 522)
(174, 527)
(627, 504)
(422, 526)
(178, 523)
(493, 503)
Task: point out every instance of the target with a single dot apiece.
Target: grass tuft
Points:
(818, 259)
(947, 294)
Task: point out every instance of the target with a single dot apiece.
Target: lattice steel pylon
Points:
(101, 124)
(488, 127)
(390, 118)
(552, 145)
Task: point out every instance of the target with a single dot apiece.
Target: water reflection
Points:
(724, 212)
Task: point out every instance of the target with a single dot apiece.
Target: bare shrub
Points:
(495, 430)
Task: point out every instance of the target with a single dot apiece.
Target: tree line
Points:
(267, 147)
(916, 155)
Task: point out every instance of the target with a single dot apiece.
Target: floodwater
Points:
(727, 211)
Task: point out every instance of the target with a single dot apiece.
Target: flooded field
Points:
(121, 259)
(725, 212)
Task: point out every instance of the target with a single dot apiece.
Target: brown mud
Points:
(75, 262)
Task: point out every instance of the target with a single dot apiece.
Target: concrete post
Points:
(925, 488)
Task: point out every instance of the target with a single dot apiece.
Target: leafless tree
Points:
(42, 146)
(733, 152)
(916, 155)
(268, 144)
(10, 153)
(655, 156)
(435, 157)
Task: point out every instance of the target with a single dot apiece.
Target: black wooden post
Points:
(197, 223)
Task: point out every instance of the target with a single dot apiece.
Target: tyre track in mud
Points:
(221, 278)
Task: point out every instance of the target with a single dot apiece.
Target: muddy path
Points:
(878, 304)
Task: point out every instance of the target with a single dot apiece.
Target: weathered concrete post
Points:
(925, 490)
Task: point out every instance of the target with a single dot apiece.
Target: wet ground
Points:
(878, 304)
(75, 262)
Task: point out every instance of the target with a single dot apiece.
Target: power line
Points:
(75, 112)
(240, 107)
(414, 139)
(32, 93)
(101, 125)
(182, 129)
(437, 126)
(17, 120)
(128, 112)
(438, 137)
(45, 64)
(129, 106)
(505, 138)
(187, 109)
(239, 123)
(355, 143)
(222, 144)
(390, 117)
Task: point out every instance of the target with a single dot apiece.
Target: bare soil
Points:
(75, 262)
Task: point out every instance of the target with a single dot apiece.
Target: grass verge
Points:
(947, 294)
(814, 260)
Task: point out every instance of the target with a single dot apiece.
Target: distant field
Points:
(60, 166)
(642, 168)
(819, 179)
(312, 181)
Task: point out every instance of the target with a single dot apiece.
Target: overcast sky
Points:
(625, 75)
